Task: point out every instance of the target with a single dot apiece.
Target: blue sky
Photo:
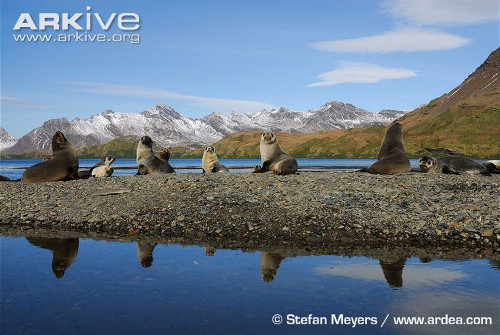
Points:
(218, 56)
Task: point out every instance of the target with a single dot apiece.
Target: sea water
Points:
(85, 286)
(14, 168)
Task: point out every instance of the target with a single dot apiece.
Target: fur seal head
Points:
(427, 163)
(163, 154)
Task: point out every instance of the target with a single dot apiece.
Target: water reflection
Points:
(392, 267)
(209, 250)
(145, 253)
(64, 251)
(105, 291)
(269, 265)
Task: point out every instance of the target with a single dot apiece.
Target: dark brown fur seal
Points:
(63, 166)
(147, 162)
(64, 251)
(392, 157)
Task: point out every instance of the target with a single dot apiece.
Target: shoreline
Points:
(309, 211)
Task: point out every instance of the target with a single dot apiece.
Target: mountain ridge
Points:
(171, 129)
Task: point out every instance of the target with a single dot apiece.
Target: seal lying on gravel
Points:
(273, 159)
(164, 155)
(147, 162)
(391, 157)
(64, 251)
(3, 178)
(452, 165)
(210, 161)
(492, 166)
(63, 166)
(100, 169)
(269, 265)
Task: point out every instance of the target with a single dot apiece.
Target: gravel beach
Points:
(315, 211)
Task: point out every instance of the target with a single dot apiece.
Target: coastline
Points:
(309, 211)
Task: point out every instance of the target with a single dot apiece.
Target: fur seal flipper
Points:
(392, 157)
(63, 166)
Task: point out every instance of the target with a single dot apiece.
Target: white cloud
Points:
(361, 73)
(213, 104)
(403, 40)
(19, 103)
(413, 275)
(443, 12)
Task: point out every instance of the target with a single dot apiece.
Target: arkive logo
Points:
(77, 27)
(125, 21)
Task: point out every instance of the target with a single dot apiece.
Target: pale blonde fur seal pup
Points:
(392, 157)
(63, 166)
(210, 161)
(273, 158)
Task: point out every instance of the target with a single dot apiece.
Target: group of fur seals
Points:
(148, 162)
(210, 161)
(451, 165)
(100, 169)
(391, 157)
(62, 166)
(273, 158)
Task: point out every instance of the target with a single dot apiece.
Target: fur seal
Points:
(273, 158)
(3, 178)
(100, 169)
(269, 265)
(209, 250)
(210, 161)
(147, 162)
(391, 157)
(64, 251)
(492, 166)
(164, 155)
(145, 253)
(63, 166)
(451, 165)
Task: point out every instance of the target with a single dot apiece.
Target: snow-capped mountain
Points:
(169, 128)
(6, 139)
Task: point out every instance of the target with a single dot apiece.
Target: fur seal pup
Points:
(391, 157)
(210, 161)
(147, 162)
(492, 166)
(100, 169)
(451, 165)
(145, 253)
(103, 167)
(269, 265)
(64, 251)
(273, 158)
(164, 155)
(63, 166)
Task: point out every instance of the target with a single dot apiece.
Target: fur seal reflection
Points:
(269, 265)
(64, 251)
(145, 253)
